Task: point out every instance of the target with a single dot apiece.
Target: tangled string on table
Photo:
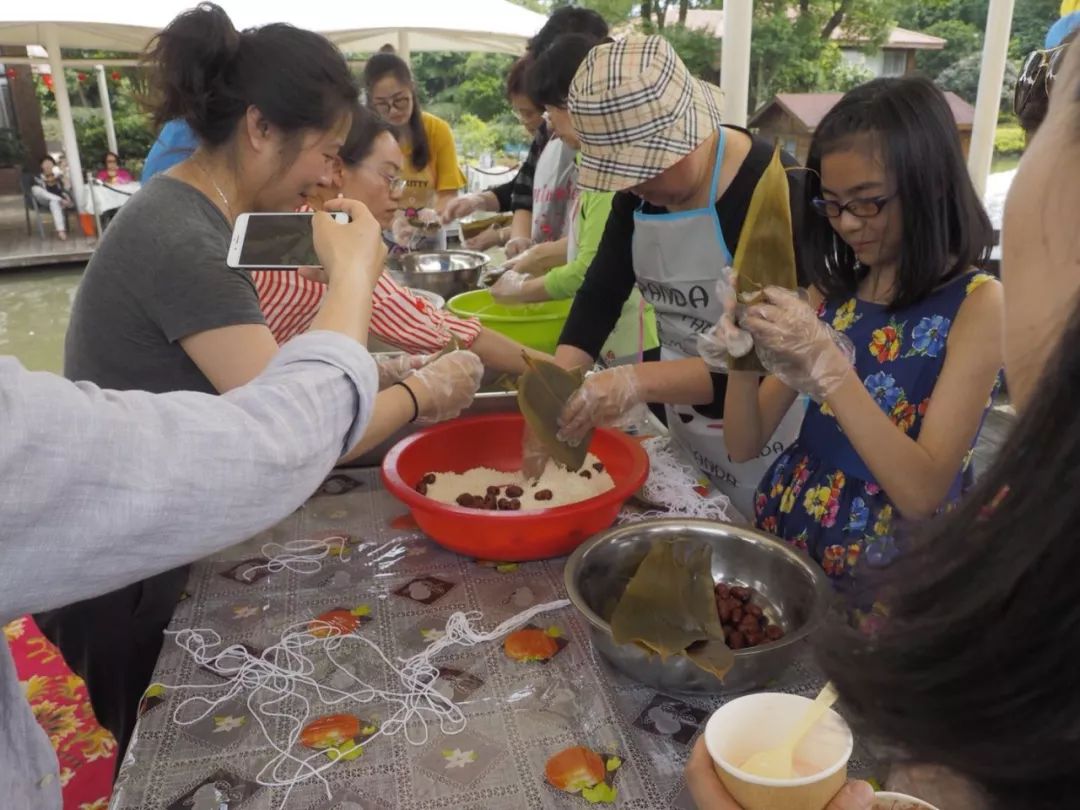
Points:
(671, 484)
(302, 556)
(280, 684)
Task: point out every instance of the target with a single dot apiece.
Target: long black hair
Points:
(390, 64)
(366, 128)
(549, 76)
(208, 73)
(945, 229)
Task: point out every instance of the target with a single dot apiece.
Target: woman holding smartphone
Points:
(158, 308)
(369, 168)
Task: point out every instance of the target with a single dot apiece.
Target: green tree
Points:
(793, 47)
(963, 79)
(962, 39)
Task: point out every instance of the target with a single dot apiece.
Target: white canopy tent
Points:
(128, 25)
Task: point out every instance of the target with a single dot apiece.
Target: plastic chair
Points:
(26, 182)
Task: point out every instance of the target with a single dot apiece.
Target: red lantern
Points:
(82, 77)
(48, 80)
(11, 73)
(115, 75)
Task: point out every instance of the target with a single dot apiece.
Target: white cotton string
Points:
(301, 556)
(284, 674)
(671, 484)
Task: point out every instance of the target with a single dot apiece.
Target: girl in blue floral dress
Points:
(889, 434)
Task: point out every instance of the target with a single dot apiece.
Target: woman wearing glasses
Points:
(431, 169)
(890, 256)
(369, 168)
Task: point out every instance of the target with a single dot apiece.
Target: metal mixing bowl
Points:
(791, 590)
(446, 272)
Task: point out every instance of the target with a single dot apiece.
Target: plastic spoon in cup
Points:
(778, 762)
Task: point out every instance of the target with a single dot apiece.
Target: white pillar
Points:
(106, 107)
(735, 60)
(63, 109)
(403, 45)
(991, 77)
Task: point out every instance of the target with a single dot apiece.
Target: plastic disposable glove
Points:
(406, 234)
(796, 346)
(449, 385)
(463, 206)
(606, 397)
(510, 287)
(517, 245)
(725, 338)
(396, 367)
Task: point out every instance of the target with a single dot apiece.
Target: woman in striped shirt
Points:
(368, 168)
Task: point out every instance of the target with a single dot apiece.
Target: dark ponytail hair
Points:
(366, 128)
(946, 229)
(385, 64)
(974, 668)
(208, 74)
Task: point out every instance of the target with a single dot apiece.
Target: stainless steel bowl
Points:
(446, 272)
(791, 590)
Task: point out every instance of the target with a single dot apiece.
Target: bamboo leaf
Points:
(543, 391)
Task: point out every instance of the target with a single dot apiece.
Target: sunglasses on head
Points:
(1037, 77)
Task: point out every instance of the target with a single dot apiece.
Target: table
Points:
(105, 197)
(518, 714)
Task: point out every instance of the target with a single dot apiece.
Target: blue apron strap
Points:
(714, 184)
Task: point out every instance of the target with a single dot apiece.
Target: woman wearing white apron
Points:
(652, 132)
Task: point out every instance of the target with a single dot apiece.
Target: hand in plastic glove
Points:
(725, 338)
(396, 367)
(517, 245)
(709, 792)
(510, 288)
(463, 206)
(445, 387)
(606, 398)
(402, 231)
(485, 240)
(796, 346)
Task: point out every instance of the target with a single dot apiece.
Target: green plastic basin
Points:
(537, 326)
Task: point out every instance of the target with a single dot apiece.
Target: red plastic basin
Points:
(495, 441)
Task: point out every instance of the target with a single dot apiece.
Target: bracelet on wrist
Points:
(412, 396)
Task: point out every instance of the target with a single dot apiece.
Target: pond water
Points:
(34, 309)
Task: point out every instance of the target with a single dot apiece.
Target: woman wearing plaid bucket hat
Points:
(652, 133)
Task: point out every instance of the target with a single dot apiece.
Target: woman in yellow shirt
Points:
(431, 169)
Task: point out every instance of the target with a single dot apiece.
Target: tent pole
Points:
(991, 77)
(403, 45)
(63, 109)
(106, 108)
(735, 60)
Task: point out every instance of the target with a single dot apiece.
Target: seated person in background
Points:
(49, 190)
(113, 173)
(368, 168)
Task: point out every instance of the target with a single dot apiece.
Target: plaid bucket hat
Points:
(638, 111)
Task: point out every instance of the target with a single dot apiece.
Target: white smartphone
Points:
(275, 241)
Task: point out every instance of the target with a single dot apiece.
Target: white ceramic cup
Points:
(753, 723)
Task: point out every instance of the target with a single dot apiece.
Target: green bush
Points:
(1009, 140)
(134, 137)
(474, 137)
(11, 149)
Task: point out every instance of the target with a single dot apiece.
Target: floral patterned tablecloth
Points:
(405, 587)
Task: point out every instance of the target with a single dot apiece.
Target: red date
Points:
(745, 623)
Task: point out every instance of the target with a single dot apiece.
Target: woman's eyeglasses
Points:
(1037, 77)
(400, 103)
(862, 207)
(394, 183)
